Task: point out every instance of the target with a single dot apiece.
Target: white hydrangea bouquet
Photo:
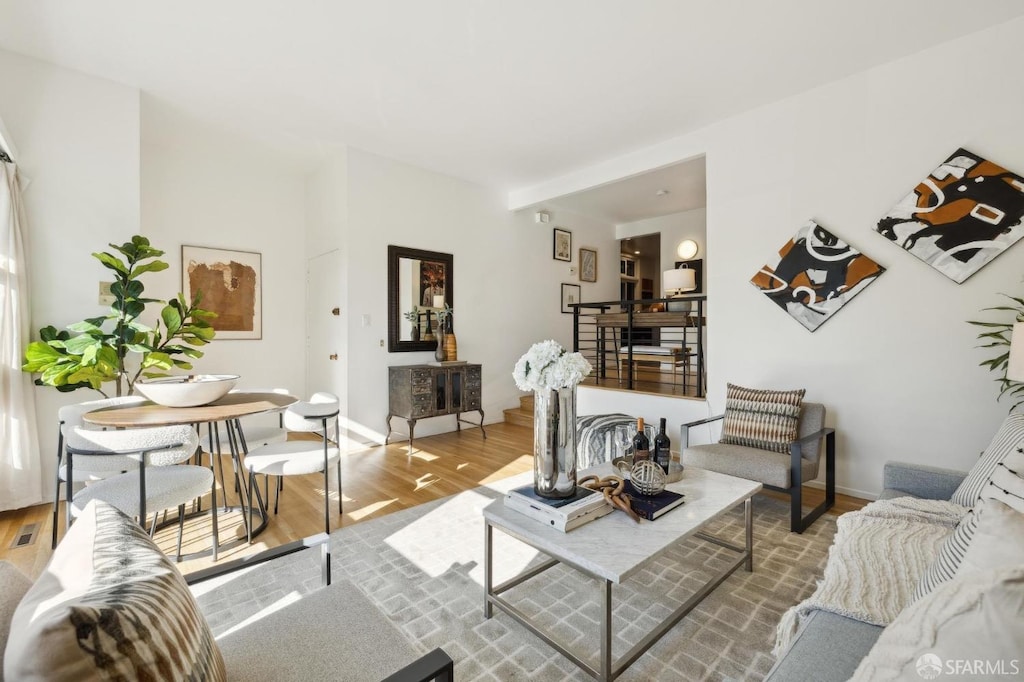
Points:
(548, 367)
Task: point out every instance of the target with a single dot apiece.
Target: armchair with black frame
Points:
(776, 471)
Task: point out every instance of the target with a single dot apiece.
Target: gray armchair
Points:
(776, 471)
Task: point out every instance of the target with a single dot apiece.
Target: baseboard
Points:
(852, 492)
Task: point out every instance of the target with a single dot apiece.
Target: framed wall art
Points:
(562, 245)
(570, 295)
(588, 265)
(231, 283)
(815, 274)
(964, 214)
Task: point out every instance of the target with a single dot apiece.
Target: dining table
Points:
(227, 410)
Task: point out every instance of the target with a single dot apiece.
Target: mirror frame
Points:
(395, 344)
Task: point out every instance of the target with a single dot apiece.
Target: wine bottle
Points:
(662, 448)
(641, 444)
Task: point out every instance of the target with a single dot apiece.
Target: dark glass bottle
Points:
(641, 444)
(662, 448)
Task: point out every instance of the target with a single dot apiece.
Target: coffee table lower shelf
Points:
(609, 669)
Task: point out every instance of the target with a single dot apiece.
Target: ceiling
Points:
(673, 189)
(507, 93)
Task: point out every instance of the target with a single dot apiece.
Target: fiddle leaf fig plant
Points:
(996, 335)
(119, 347)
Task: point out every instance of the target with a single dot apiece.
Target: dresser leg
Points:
(412, 427)
(458, 422)
(482, 424)
(388, 435)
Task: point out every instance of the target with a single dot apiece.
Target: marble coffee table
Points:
(613, 548)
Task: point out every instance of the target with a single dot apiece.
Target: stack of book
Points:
(564, 515)
(651, 507)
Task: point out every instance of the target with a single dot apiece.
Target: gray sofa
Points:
(829, 647)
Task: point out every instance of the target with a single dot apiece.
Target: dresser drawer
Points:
(421, 405)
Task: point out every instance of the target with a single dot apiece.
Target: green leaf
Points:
(204, 332)
(48, 333)
(172, 319)
(156, 359)
(39, 355)
(84, 327)
(182, 364)
(112, 262)
(138, 348)
(133, 309)
(153, 266)
(89, 354)
(78, 344)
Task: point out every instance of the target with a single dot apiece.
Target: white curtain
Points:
(21, 471)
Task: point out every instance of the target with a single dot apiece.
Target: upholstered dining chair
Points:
(783, 467)
(161, 482)
(256, 432)
(92, 469)
(301, 457)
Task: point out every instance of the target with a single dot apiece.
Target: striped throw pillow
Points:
(1007, 481)
(766, 420)
(1009, 437)
(110, 606)
(950, 556)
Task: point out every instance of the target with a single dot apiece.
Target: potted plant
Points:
(119, 347)
(997, 335)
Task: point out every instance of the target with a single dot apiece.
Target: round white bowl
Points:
(189, 391)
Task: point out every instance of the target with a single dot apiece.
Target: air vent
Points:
(26, 536)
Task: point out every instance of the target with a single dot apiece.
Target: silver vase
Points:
(439, 351)
(554, 443)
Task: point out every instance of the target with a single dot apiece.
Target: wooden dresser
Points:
(421, 391)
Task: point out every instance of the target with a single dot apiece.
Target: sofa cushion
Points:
(946, 564)
(13, 586)
(365, 646)
(110, 606)
(971, 618)
(1009, 437)
(770, 468)
(827, 649)
(998, 540)
(761, 419)
(890, 493)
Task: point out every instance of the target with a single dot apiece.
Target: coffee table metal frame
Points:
(608, 669)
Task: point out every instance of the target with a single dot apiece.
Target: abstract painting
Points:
(815, 274)
(231, 284)
(964, 214)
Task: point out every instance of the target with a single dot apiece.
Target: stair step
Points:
(526, 403)
(519, 417)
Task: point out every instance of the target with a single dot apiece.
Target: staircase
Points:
(522, 415)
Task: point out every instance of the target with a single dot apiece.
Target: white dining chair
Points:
(94, 469)
(161, 481)
(301, 457)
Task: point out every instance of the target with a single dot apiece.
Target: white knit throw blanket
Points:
(878, 556)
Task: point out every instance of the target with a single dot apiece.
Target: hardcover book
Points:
(565, 514)
(651, 507)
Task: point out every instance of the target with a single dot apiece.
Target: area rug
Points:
(423, 568)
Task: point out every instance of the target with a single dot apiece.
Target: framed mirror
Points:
(419, 284)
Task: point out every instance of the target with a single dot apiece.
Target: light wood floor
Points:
(376, 481)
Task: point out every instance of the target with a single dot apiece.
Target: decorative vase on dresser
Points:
(451, 347)
(439, 353)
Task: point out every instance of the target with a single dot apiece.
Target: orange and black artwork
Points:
(964, 214)
(815, 275)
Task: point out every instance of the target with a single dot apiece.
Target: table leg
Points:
(748, 520)
(213, 501)
(387, 436)
(606, 632)
(488, 565)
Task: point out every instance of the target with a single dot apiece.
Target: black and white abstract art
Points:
(964, 214)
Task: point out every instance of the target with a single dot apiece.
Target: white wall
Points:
(204, 187)
(78, 143)
(506, 286)
(897, 367)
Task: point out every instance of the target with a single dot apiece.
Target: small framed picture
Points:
(588, 265)
(570, 295)
(562, 249)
